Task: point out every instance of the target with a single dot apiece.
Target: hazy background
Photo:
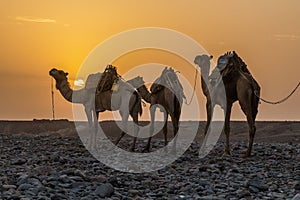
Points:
(36, 36)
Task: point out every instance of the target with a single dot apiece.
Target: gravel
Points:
(57, 167)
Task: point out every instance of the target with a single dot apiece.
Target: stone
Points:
(104, 190)
(18, 161)
(296, 197)
(297, 185)
(24, 186)
(260, 186)
(8, 187)
(133, 192)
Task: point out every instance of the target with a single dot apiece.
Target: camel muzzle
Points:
(52, 71)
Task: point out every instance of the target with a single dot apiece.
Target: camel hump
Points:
(92, 81)
(108, 80)
(157, 85)
(170, 80)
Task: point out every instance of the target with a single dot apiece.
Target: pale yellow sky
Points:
(38, 35)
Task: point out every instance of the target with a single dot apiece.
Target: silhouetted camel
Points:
(95, 102)
(167, 92)
(239, 86)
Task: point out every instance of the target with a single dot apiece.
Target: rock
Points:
(99, 179)
(210, 197)
(8, 187)
(133, 192)
(79, 173)
(253, 189)
(14, 197)
(296, 197)
(243, 193)
(104, 190)
(24, 186)
(278, 195)
(58, 197)
(203, 168)
(297, 185)
(260, 186)
(34, 181)
(18, 161)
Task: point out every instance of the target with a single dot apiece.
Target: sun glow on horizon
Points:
(37, 35)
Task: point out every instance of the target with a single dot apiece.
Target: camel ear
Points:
(66, 73)
(211, 56)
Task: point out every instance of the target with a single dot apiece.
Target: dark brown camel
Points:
(95, 103)
(239, 86)
(167, 92)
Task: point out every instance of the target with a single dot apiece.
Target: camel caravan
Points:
(108, 91)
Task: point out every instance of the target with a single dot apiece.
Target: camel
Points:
(203, 61)
(239, 86)
(95, 103)
(167, 92)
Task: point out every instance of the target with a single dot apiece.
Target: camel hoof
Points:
(247, 155)
(132, 149)
(146, 150)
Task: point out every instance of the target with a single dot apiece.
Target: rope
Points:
(52, 99)
(280, 101)
(195, 82)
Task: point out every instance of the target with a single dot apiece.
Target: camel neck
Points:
(65, 90)
(205, 72)
(146, 95)
(204, 79)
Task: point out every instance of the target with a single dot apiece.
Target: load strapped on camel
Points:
(222, 69)
(108, 79)
(168, 79)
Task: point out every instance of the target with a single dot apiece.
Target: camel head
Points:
(231, 62)
(169, 75)
(111, 72)
(58, 75)
(203, 61)
(136, 82)
(225, 61)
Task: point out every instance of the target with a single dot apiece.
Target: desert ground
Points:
(45, 159)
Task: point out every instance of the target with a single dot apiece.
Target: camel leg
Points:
(165, 128)
(251, 123)
(124, 124)
(175, 121)
(89, 116)
(252, 130)
(135, 129)
(249, 110)
(226, 129)
(95, 129)
(152, 116)
(209, 115)
(90, 122)
(121, 136)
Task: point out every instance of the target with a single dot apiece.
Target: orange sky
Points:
(38, 35)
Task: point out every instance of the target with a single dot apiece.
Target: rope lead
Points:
(280, 101)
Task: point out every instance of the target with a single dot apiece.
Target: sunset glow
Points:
(39, 35)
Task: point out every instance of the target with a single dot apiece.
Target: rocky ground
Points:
(57, 166)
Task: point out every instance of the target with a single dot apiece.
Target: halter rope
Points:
(280, 101)
(195, 82)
